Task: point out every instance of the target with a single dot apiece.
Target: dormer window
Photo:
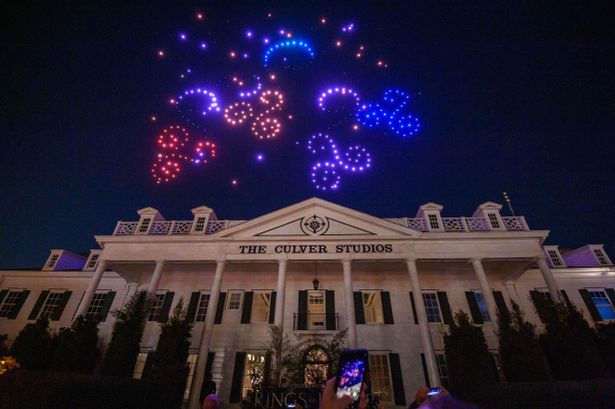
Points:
(200, 224)
(556, 261)
(53, 260)
(92, 262)
(601, 257)
(145, 225)
(434, 223)
(493, 221)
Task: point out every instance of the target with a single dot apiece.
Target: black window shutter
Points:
(220, 308)
(566, 299)
(208, 386)
(501, 304)
(593, 311)
(425, 373)
(240, 362)
(192, 307)
(387, 311)
(359, 314)
(398, 383)
(246, 313)
(474, 310)
(611, 294)
(272, 301)
(416, 320)
(38, 305)
(540, 304)
(302, 314)
(107, 306)
(166, 306)
(209, 364)
(3, 294)
(17, 307)
(330, 309)
(445, 307)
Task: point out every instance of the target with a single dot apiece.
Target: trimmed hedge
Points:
(22, 389)
(594, 394)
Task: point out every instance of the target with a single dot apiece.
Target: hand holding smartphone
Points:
(351, 375)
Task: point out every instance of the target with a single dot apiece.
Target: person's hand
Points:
(330, 400)
(421, 395)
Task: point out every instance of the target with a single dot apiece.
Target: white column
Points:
(430, 356)
(511, 290)
(349, 301)
(156, 276)
(201, 361)
(280, 294)
(486, 291)
(547, 274)
(89, 292)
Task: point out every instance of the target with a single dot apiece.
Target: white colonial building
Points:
(314, 268)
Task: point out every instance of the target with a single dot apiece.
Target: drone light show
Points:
(252, 96)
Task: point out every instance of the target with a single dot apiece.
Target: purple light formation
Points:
(344, 91)
(356, 159)
(212, 106)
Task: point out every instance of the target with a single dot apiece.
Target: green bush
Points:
(606, 344)
(128, 329)
(34, 345)
(470, 365)
(522, 357)
(77, 349)
(22, 389)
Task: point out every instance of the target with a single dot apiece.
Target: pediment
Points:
(319, 219)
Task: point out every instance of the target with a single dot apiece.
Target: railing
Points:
(511, 223)
(316, 321)
(169, 227)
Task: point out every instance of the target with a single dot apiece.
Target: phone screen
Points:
(353, 364)
(434, 392)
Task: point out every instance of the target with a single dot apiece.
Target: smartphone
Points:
(352, 372)
(434, 392)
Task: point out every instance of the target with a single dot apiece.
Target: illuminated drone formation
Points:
(253, 103)
(389, 113)
(172, 150)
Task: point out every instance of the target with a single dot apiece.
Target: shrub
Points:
(168, 363)
(606, 344)
(34, 345)
(522, 357)
(569, 344)
(77, 349)
(470, 365)
(128, 329)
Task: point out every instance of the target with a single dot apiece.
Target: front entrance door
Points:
(316, 309)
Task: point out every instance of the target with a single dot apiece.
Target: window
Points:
(493, 220)
(601, 257)
(52, 261)
(200, 224)
(431, 307)
(555, 260)
(433, 221)
(603, 304)
(372, 307)
(144, 225)
(234, 301)
(201, 310)
(254, 372)
(316, 366)
(93, 261)
(442, 369)
(482, 306)
(380, 376)
(52, 303)
(260, 306)
(140, 365)
(156, 308)
(191, 361)
(97, 304)
(10, 301)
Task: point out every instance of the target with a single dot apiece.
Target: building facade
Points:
(314, 268)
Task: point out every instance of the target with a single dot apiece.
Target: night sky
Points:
(518, 99)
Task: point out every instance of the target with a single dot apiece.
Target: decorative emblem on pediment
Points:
(314, 225)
